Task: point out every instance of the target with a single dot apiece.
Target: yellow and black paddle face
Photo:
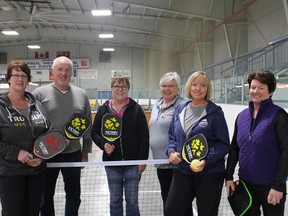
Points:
(76, 126)
(195, 148)
(111, 128)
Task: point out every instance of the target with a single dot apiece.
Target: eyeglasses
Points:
(168, 86)
(120, 87)
(18, 76)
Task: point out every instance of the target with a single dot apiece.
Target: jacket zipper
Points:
(28, 120)
(121, 148)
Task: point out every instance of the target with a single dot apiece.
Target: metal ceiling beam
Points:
(172, 11)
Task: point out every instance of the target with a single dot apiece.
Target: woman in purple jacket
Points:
(260, 145)
(205, 182)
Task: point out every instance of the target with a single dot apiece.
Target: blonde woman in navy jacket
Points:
(22, 120)
(199, 115)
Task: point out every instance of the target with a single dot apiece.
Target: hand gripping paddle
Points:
(111, 128)
(53, 142)
(195, 148)
(241, 200)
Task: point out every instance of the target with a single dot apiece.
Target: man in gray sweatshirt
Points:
(61, 100)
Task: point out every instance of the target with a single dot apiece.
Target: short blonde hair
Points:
(198, 75)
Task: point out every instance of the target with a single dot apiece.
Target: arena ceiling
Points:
(168, 25)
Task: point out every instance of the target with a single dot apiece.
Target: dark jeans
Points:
(259, 198)
(165, 178)
(206, 188)
(21, 195)
(71, 178)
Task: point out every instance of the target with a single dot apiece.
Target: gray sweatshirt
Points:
(60, 107)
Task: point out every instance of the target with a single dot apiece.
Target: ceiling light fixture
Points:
(108, 49)
(106, 35)
(10, 32)
(33, 46)
(101, 12)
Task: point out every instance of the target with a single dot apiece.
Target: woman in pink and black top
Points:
(133, 144)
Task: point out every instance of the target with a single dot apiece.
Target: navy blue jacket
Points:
(214, 127)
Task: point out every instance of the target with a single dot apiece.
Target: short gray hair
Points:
(170, 76)
(60, 59)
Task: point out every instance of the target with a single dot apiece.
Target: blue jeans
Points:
(127, 178)
(71, 178)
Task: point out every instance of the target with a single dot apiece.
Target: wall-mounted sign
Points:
(120, 73)
(41, 75)
(44, 75)
(43, 63)
(87, 74)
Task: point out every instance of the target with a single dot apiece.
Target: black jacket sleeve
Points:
(233, 155)
(282, 136)
(96, 129)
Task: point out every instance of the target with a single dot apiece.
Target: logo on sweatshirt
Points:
(38, 119)
(203, 123)
(18, 121)
(167, 114)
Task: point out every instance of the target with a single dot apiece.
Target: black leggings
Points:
(165, 178)
(21, 195)
(259, 196)
(206, 188)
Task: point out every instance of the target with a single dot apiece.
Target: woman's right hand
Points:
(229, 186)
(35, 162)
(109, 148)
(24, 156)
(67, 141)
(174, 158)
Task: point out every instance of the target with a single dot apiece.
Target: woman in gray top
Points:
(159, 123)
